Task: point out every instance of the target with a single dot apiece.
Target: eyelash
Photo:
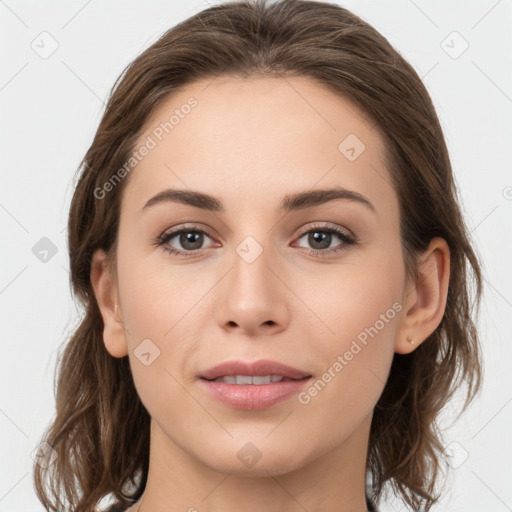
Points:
(348, 240)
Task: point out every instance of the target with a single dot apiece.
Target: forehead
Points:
(259, 137)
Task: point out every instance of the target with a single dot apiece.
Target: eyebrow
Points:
(297, 201)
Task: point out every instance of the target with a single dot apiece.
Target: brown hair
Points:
(101, 428)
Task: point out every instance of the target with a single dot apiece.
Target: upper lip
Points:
(261, 367)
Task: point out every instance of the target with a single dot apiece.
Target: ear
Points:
(425, 300)
(105, 291)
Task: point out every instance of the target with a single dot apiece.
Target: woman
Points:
(267, 243)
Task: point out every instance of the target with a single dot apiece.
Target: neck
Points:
(331, 482)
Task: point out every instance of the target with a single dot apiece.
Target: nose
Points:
(253, 296)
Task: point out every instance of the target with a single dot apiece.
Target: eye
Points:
(189, 240)
(321, 237)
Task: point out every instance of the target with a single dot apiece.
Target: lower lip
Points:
(253, 396)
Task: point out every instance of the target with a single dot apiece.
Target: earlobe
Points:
(105, 291)
(425, 304)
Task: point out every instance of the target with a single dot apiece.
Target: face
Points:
(267, 270)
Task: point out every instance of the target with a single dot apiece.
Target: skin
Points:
(249, 142)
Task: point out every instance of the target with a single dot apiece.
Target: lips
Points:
(253, 386)
(262, 368)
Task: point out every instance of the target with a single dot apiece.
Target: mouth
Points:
(263, 371)
(256, 380)
(252, 386)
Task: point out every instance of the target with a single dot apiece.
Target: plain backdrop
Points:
(59, 60)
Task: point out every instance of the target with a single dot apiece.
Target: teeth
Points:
(263, 380)
(246, 379)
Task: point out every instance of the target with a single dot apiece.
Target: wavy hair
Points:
(100, 431)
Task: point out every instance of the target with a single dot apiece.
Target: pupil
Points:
(192, 237)
(323, 238)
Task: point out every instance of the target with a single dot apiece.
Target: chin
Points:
(248, 460)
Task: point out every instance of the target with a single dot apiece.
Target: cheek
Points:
(357, 299)
(157, 294)
(356, 366)
(358, 310)
(161, 305)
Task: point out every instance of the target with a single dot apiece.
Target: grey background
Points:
(50, 106)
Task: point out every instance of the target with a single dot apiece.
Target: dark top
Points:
(370, 506)
(116, 508)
